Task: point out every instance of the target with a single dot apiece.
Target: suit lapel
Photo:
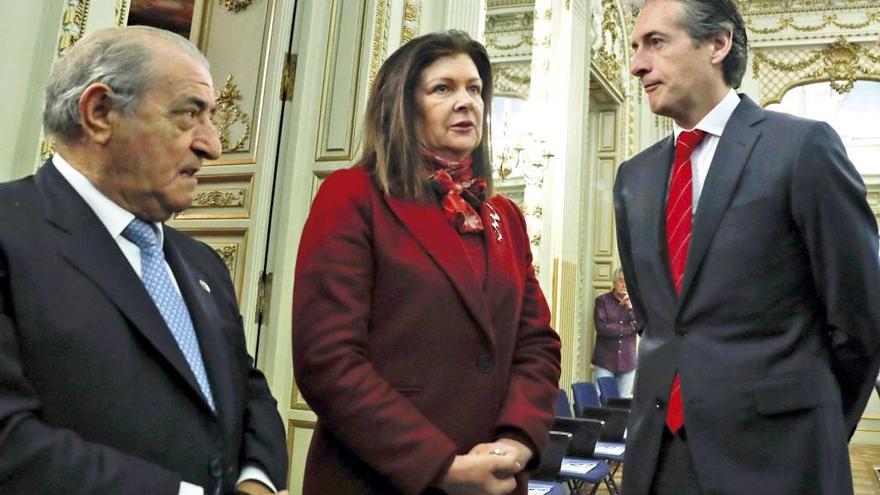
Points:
(91, 250)
(437, 236)
(208, 327)
(731, 156)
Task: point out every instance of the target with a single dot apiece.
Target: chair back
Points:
(607, 388)
(563, 407)
(584, 435)
(615, 421)
(584, 394)
(619, 402)
(551, 460)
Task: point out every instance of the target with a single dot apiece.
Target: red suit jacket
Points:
(406, 359)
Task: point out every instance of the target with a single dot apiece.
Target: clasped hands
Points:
(488, 469)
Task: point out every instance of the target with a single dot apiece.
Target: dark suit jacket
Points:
(95, 395)
(403, 354)
(776, 332)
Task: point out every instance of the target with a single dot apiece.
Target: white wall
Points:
(28, 36)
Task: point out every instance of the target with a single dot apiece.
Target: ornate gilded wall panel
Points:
(510, 34)
(841, 62)
(379, 43)
(512, 78)
(752, 7)
(412, 13)
(338, 115)
(73, 23)
(222, 196)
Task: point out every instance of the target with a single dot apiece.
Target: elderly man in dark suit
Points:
(123, 367)
(751, 260)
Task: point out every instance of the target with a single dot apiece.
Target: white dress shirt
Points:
(713, 125)
(116, 218)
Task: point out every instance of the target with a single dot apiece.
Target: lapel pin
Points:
(205, 286)
(496, 221)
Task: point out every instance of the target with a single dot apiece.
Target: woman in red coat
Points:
(420, 336)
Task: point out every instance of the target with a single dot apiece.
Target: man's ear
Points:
(96, 113)
(721, 45)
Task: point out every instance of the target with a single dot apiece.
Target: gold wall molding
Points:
(412, 13)
(236, 6)
(510, 34)
(229, 115)
(828, 22)
(122, 12)
(219, 198)
(503, 4)
(512, 78)
(608, 53)
(73, 23)
(840, 63)
(381, 24)
(759, 7)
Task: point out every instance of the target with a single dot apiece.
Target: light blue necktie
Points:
(168, 300)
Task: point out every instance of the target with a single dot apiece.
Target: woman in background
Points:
(616, 326)
(420, 336)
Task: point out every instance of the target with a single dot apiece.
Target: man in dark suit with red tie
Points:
(123, 365)
(751, 260)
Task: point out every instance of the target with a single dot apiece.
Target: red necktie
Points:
(679, 215)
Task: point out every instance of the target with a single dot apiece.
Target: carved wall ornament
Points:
(122, 12)
(758, 7)
(229, 254)
(73, 23)
(380, 37)
(829, 21)
(840, 63)
(412, 12)
(219, 199)
(510, 35)
(236, 6)
(512, 78)
(608, 50)
(229, 115)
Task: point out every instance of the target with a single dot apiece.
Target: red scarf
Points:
(461, 195)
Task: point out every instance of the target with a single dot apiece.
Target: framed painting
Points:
(180, 16)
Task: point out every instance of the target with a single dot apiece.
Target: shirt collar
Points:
(714, 121)
(114, 217)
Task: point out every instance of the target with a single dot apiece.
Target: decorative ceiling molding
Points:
(503, 4)
(510, 35)
(840, 63)
(828, 22)
(762, 7)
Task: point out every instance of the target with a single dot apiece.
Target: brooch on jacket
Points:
(496, 221)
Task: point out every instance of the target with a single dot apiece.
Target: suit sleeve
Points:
(332, 365)
(840, 233)
(263, 445)
(528, 411)
(624, 247)
(37, 458)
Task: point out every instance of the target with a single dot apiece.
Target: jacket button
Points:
(216, 468)
(485, 363)
(659, 404)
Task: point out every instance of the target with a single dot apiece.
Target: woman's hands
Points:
(488, 469)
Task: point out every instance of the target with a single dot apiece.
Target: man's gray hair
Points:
(118, 57)
(617, 273)
(705, 18)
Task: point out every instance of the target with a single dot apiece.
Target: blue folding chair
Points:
(585, 395)
(563, 407)
(579, 468)
(607, 386)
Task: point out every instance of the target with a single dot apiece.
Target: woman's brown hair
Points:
(391, 150)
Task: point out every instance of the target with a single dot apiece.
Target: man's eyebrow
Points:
(198, 101)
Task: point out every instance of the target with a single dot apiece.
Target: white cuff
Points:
(190, 489)
(251, 472)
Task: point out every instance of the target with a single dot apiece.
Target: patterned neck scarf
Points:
(461, 195)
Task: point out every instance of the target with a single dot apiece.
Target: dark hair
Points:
(705, 18)
(391, 150)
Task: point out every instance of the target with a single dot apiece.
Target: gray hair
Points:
(118, 57)
(617, 273)
(703, 19)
